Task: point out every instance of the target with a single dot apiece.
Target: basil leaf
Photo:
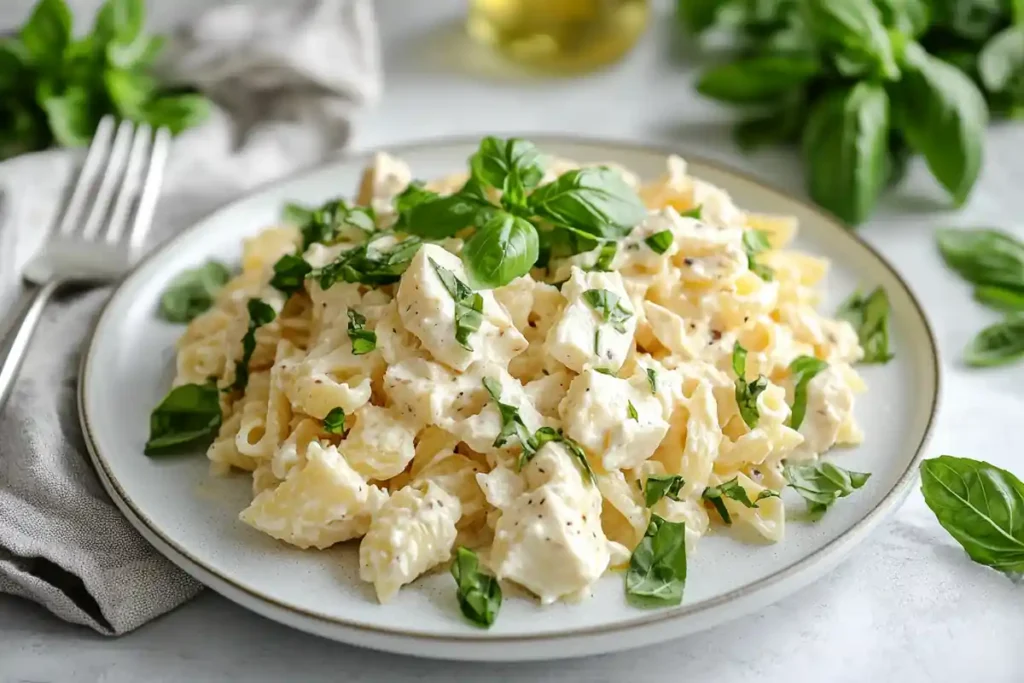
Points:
(997, 344)
(192, 292)
(803, 369)
(754, 242)
(47, 33)
(981, 506)
(1001, 62)
(694, 213)
(334, 421)
(511, 425)
(127, 42)
(363, 340)
(732, 489)
(501, 250)
(369, 266)
(187, 419)
(334, 220)
(853, 31)
(657, 568)
(942, 115)
(971, 19)
(609, 307)
(438, 217)
(1000, 298)
(469, 305)
(662, 486)
(698, 16)
(652, 379)
(593, 201)
(660, 242)
(497, 161)
(260, 314)
(129, 91)
(69, 114)
(984, 257)
(290, 273)
(783, 125)
(479, 593)
(845, 147)
(605, 257)
(546, 434)
(631, 411)
(821, 484)
(177, 112)
(909, 17)
(757, 79)
(870, 317)
(746, 392)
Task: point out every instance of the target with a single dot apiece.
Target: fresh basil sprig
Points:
(981, 506)
(755, 242)
(363, 340)
(334, 421)
(821, 484)
(869, 316)
(657, 568)
(260, 314)
(746, 392)
(733, 490)
(660, 486)
(469, 305)
(803, 369)
(192, 292)
(478, 592)
(187, 419)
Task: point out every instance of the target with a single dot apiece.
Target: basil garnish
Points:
(605, 257)
(469, 305)
(334, 421)
(260, 314)
(511, 425)
(192, 292)
(631, 411)
(290, 273)
(869, 315)
(609, 306)
(657, 568)
(594, 202)
(546, 434)
(733, 490)
(746, 392)
(652, 379)
(754, 242)
(363, 340)
(187, 419)
(659, 242)
(803, 369)
(822, 483)
(512, 165)
(981, 506)
(662, 486)
(367, 265)
(326, 223)
(997, 344)
(502, 249)
(478, 592)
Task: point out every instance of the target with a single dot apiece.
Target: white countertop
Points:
(908, 605)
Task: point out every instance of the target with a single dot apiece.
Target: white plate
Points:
(193, 518)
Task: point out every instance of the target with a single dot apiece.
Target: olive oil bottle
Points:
(558, 35)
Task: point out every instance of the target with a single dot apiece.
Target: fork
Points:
(102, 247)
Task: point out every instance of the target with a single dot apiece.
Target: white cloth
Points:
(288, 76)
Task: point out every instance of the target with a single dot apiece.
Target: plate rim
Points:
(838, 548)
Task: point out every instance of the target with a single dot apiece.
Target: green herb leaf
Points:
(783, 125)
(845, 147)
(662, 486)
(546, 434)
(1000, 298)
(984, 257)
(694, 213)
(754, 242)
(609, 307)
(469, 305)
(909, 17)
(631, 411)
(943, 115)
(511, 425)
(69, 114)
(129, 91)
(870, 317)
(803, 369)
(186, 420)
(177, 112)
(657, 569)
(997, 344)
(821, 484)
(732, 489)
(260, 314)
(698, 16)
(334, 421)
(981, 506)
(435, 217)
(336, 220)
(290, 273)
(652, 379)
(503, 163)
(757, 79)
(47, 33)
(504, 248)
(595, 202)
(660, 242)
(478, 592)
(363, 340)
(853, 31)
(296, 214)
(368, 265)
(746, 392)
(1001, 62)
(605, 257)
(192, 292)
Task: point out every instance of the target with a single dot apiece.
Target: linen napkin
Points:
(286, 77)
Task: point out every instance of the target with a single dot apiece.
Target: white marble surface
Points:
(908, 606)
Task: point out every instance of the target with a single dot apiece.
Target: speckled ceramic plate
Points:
(193, 518)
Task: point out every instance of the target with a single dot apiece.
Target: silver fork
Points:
(94, 243)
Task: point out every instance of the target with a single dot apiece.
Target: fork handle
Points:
(16, 342)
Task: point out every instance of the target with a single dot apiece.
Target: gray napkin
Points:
(287, 77)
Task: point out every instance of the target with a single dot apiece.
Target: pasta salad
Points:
(534, 372)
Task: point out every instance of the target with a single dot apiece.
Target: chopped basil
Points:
(329, 222)
(652, 379)
(660, 241)
(290, 273)
(469, 305)
(605, 257)
(754, 242)
(186, 420)
(363, 340)
(478, 592)
(546, 434)
(192, 292)
(746, 392)
(657, 569)
(803, 369)
(608, 305)
(662, 486)
(260, 314)
(369, 266)
(631, 411)
(695, 212)
(732, 489)
(822, 483)
(869, 315)
(511, 425)
(334, 421)
(295, 213)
